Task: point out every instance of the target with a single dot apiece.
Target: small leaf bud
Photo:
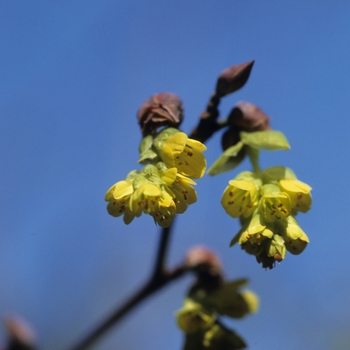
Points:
(20, 334)
(233, 78)
(248, 117)
(203, 259)
(163, 109)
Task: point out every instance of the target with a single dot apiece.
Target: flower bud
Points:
(295, 238)
(255, 232)
(194, 317)
(277, 248)
(248, 117)
(233, 78)
(203, 259)
(159, 110)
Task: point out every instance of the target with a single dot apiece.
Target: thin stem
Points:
(253, 154)
(208, 124)
(162, 251)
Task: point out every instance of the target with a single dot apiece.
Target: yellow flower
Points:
(240, 197)
(194, 317)
(118, 197)
(153, 200)
(183, 153)
(255, 231)
(295, 238)
(275, 205)
(183, 193)
(145, 199)
(299, 193)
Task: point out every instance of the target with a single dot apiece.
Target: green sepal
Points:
(228, 160)
(146, 143)
(269, 189)
(270, 140)
(276, 173)
(147, 156)
(132, 174)
(235, 239)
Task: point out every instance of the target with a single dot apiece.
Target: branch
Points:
(230, 80)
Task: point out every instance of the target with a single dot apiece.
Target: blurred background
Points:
(73, 74)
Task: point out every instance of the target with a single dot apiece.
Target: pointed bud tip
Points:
(233, 78)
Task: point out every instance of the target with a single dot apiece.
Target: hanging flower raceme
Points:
(163, 188)
(210, 298)
(266, 203)
(155, 190)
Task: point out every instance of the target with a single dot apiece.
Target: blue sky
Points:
(73, 74)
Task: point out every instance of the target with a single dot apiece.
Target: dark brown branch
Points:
(161, 254)
(208, 124)
(230, 80)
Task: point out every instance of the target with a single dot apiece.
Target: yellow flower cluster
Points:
(198, 316)
(163, 189)
(267, 204)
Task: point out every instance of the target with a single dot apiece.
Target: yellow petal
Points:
(299, 193)
(176, 142)
(186, 179)
(128, 217)
(122, 189)
(295, 186)
(196, 145)
(150, 190)
(169, 176)
(109, 193)
(239, 201)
